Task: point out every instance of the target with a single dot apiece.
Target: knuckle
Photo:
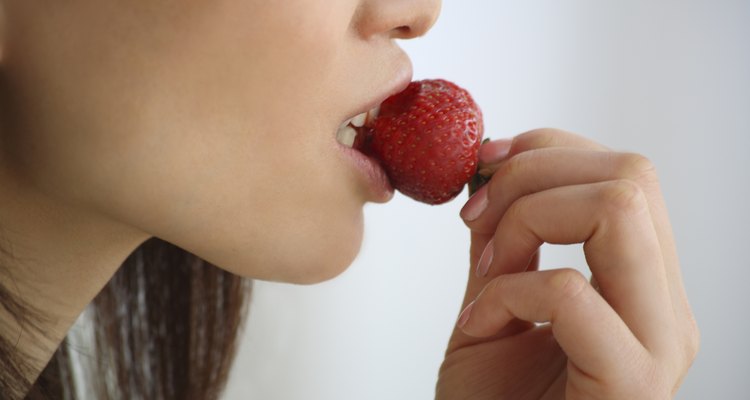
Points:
(624, 197)
(638, 168)
(568, 284)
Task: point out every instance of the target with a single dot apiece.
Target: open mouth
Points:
(348, 131)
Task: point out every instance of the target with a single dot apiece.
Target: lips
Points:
(372, 176)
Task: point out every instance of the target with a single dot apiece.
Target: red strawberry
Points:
(427, 139)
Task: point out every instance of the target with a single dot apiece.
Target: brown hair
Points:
(166, 326)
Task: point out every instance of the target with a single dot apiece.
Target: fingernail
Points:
(485, 260)
(495, 151)
(465, 314)
(476, 205)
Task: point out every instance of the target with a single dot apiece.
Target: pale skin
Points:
(530, 334)
(212, 125)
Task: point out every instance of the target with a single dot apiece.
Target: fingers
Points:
(543, 159)
(474, 286)
(556, 187)
(613, 221)
(494, 152)
(492, 155)
(549, 138)
(589, 331)
(541, 169)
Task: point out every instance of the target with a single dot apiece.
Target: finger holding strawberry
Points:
(530, 334)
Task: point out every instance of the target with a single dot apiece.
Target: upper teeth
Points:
(359, 120)
(347, 133)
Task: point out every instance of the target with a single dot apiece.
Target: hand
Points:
(530, 334)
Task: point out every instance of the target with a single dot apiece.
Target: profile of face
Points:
(209, 124)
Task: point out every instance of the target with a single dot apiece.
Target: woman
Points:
(212, 126)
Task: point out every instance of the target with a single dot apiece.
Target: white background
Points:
(669, 79)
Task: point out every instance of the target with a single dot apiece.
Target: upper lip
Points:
(396, 84)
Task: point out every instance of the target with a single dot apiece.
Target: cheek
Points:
(204, 135)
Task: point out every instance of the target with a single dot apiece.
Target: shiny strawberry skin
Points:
(427, 138)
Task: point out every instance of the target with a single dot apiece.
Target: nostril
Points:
(403, 32)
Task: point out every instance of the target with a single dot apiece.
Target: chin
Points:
(294, 268)
(328, 265)
(323, 249)
(327, 257)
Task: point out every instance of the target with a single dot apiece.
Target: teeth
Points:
(372, 114)
(359, 120)
(346, 135)
(347, 131)
(346, 123)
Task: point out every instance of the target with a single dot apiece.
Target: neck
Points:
(54, 259)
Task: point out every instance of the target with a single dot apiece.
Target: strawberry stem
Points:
(479, 179)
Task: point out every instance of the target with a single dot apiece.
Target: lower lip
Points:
(379, 187)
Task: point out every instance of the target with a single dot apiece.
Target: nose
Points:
(396, 19)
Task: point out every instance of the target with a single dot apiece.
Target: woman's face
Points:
(208, 123)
